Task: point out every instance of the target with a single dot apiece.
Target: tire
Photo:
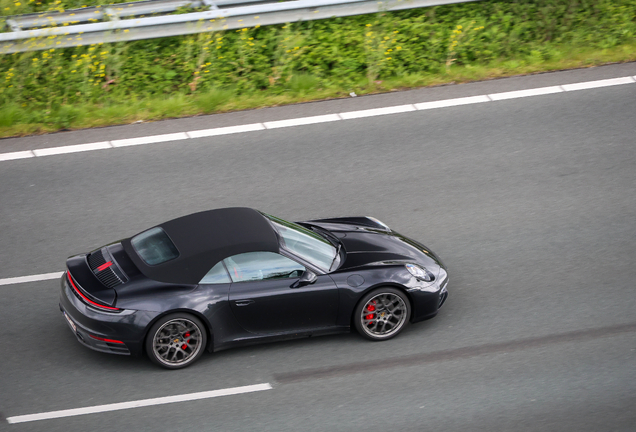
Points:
(176, 341)
(382, 314)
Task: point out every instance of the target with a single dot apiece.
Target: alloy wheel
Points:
(177, 342)
(383, 315)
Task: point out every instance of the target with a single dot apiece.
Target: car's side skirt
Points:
(258, 339)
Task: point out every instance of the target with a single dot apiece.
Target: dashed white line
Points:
(150, 139)
(180, 136)
(72, 148)
(16, 155)
(452, 102)
(377, 111)
(138, 403)
(301, 121)
(32, 278)
(226, 130)
(599, 83)
(525, 93)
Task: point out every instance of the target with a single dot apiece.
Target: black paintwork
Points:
(249, 312)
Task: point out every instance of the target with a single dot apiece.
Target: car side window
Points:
(254, 266)
(216, 275)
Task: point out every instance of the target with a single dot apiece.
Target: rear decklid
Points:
(101, 271)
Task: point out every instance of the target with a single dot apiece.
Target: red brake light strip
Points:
(106, 340)
(70, 279)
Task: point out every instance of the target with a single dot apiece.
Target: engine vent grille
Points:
(107, 275)
(96, 259)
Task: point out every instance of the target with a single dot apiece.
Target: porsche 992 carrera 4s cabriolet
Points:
(228, 277)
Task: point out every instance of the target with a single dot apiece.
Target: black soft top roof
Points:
(205, 238)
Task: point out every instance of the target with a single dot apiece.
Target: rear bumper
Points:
(87, 338)
(114, 333)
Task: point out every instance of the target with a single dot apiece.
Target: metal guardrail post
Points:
(211, 4)
(13, 24)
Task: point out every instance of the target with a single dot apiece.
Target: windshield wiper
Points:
(326, 235)
(336, 258)
(335, 241)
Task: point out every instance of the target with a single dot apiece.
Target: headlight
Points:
(420, 272)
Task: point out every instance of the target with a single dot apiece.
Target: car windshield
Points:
(305, 243)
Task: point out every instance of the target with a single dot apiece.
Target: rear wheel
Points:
(382, 314)
(176, 341)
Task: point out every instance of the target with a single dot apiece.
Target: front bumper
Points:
(428, 298)
(114, 333)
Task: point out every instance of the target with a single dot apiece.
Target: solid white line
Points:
(525, 93)
(377, 111)
(225, 130)
(597, 84)
(138, 403)
(16, 155)
(32, 278)
(149, 139)
(72, 149)
(302, 121)
(452, 102)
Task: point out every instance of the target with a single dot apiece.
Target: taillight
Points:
(87, 300)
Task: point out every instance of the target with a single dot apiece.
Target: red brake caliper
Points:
(184, 346)
(370, 308)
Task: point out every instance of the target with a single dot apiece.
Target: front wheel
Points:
(382, 314)
(176, 341)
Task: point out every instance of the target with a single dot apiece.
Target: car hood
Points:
(366, 244)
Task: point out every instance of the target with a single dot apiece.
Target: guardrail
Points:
(218, 19)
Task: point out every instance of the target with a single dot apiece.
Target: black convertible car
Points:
(222, 278)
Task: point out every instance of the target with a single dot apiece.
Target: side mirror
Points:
(307, 278)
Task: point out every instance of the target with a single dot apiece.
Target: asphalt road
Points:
(530, 202)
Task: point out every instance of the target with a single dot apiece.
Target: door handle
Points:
(243, 302)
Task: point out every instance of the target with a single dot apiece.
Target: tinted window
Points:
(262, 266)
(216, 275)
(154, 246)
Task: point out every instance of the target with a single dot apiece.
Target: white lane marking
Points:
(377, 111)
(32, 278)
(16, 155)
(302, 121)
(139, 403)
(525, 93)
(452, 102)
(317, 119)
(226, 130)
(72, 149)
(599, 83)
(149, 139)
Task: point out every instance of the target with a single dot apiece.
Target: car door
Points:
(265, 298)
